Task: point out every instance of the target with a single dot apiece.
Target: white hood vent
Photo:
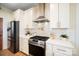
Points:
(42, 18)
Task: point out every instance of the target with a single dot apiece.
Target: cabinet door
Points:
(64, 15)
(62, 50)
(49, 49)
(51, 13)
(24, 45)
(20, 44)
(28, 17)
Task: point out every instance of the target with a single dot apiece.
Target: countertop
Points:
(60, 43)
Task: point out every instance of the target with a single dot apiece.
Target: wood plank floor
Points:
(6, 52)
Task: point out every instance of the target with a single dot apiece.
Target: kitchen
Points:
(44, 29)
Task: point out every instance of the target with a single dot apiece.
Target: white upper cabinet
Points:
(18, 14)
(25, 17)
(64, 14)
(28, 18)
(51, 13)
(58, 15)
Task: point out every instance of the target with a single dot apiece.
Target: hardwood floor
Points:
(6, 52)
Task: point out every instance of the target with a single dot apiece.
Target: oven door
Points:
(36, 50)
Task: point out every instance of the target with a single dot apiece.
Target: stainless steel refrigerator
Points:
(13, 38)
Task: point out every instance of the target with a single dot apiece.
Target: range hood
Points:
(41, 18)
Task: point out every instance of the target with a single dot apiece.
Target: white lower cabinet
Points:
(62, 51)
(54, 48)
(24, 45)
(49, 50)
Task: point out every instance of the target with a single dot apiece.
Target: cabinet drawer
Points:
(60, 54)
(63, 50)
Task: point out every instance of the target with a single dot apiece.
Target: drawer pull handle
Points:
(61, 50)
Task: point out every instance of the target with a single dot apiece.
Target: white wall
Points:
(5, 25)
(77, 28)
(5, 12)
(7, 16)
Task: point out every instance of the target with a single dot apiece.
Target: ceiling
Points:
(15, 6)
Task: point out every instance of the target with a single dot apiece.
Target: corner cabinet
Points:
(58, 15)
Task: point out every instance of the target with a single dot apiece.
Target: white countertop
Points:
(60, 43)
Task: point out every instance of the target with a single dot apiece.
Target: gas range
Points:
(37, 45)
(42, 38)
(38, 41)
